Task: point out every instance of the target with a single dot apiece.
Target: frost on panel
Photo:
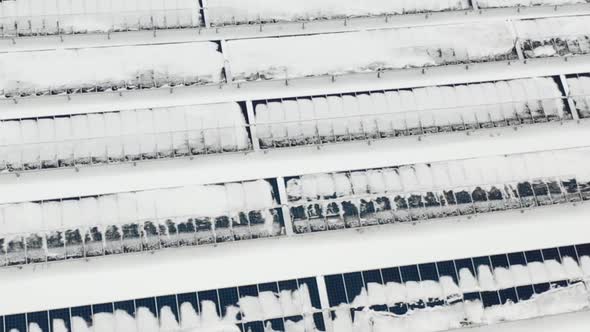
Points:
(254, 11)
(554, 36)
(519, 3)
(130, 135)
(418, 111)
(426, 191)
(290, 57)
(33, 17)
(110, 68)
(137, 221)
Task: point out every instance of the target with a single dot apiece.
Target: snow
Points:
(124, 208)
(541, 38)
(515, 3)
(240, 11)
(87, 68)
(580, 92)
(441, 107)
(289, 57)
(440, 318)
(60, 16)
(462, 173)
(195, 129)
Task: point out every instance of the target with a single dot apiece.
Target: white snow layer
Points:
(206, 320)
(562, 27)
(387, 112)
(53, 16)
(86, 68)
(515, 3)
(580, 92)
(194, 201)
(237, 11)
(181, 130)
(488, 171)
(452, 316)
(300, 56)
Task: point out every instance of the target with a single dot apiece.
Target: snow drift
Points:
(124, 135)
(410, 111)
(32, 17)
(288, 57)
(99, 69)
(248, 11)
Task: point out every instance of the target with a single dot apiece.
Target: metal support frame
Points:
(284, 206)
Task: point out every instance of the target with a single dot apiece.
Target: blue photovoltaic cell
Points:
(17, 322)
(127, 306)
(447, 268)
(84, 312)
(508, 294)
(288, 285)
(254, 327)
(314, 294)
(167, 301)
(210, 295)
(354, 285)
(336, 290)
(318, 318)
(466, 263)
(105, 307)
(1, 324)
(428, 271)
(60, 314)
(228, 297)
(569, 251)
(269, 287)
(534, 256)
(552, 253)
(410, 273)
(276, 324)
(149, 303)
(583, 250)
(187, 299)
(41, 318)
(373, 276)
(391, 275)
(500, 261)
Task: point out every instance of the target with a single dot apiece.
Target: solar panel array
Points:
(95, 138)
(127, 222)
(479, 289)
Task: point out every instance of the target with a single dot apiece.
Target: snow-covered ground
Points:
(93, 138)
(32, 17)
(100, 69)
(323, 54)
(248, 11)
(403, 112)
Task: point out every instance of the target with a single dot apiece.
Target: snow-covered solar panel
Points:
(106, 224)
(254, 11)
(382, 114)
(109, 68)
(452, 294)
(332, 201)
(579, 86)
(286, 305)
(560, 36)
(434, 296)
(141, 134)
(289, 57)
(525, 3)
(40, 17)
